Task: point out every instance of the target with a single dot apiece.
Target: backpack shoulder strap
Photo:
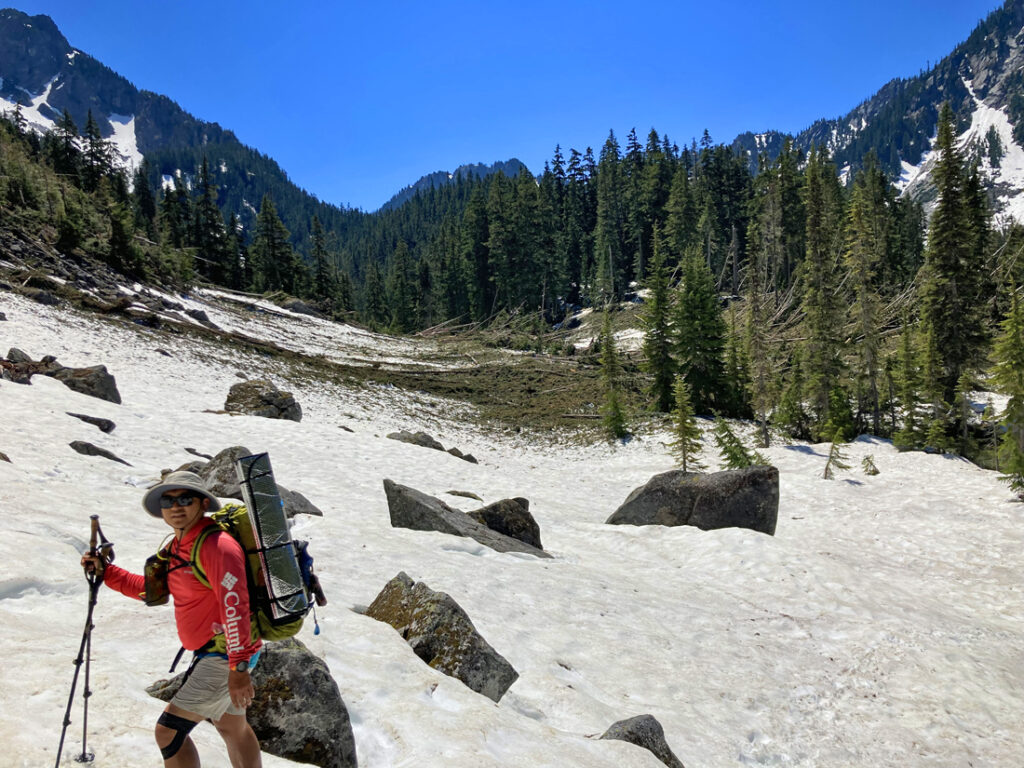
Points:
(197, 568)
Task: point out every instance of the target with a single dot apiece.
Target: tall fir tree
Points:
(699, 334)
(822, 300)
(1009, 377)
(656, 321)
(951, 295)
(271, 252)
(323, 278)
(867, 239)
(401, 290)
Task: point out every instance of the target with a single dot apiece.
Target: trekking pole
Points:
(98, 547)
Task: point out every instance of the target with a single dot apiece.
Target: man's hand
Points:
(93, 564)
(240, 688)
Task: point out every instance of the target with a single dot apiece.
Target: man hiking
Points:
(213, 622)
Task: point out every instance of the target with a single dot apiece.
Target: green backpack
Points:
(233, 519)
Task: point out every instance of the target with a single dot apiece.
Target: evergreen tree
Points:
(952, 304)
(176, 214)
(401, 290)
(908, 383)
(323, 284)
(375, 303)
(64, 152)
(868, 464)
(840, 416)
(836, 458)
(1009, 377)
(143, 201)
(208, 230)
(98, 155)
(736, 391)
(820, 279)
(699, 335)
(611, 376)
(686, 443)
(608, 234)
(271, 253)
(866, 244)
(791, 417)
(122, 253)
(476, 255)
(655, 319)
(734, 454)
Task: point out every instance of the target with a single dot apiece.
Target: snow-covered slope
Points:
(883, 624)
(42, 117)
(1005, 177)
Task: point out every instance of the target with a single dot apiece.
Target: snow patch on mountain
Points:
(39, 116)
(125, 141)
(1007, 176)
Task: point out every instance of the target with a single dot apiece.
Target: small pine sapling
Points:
(868, 463)
(687, 437)
(734, 454)
(836, 457)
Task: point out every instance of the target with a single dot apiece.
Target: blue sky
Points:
(356, 101)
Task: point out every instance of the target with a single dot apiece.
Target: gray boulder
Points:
(644, 731)
(3, 316)
(736, 498)
(261, 398)
(298, 305)
(421, 439)
(298, 712)
(95, 382)
(103, 425)
(5, 457)
(40, 295)
(88, 449)
(414, 509)
(219, 473)
(441, 634)
(510, 517)
(15, 355)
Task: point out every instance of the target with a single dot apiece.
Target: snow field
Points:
(881, 625)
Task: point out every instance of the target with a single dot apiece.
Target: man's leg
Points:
(243, 746)
(172, 736)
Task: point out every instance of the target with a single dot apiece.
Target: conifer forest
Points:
(818, 305)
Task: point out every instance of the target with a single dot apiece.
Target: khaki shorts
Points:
(206, 690)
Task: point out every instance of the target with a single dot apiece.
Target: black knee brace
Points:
(181, 728)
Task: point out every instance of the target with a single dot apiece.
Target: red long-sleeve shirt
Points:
(202, 612)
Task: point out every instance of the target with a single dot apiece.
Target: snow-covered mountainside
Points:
(883, 624)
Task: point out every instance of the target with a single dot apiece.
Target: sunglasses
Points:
(185, 500)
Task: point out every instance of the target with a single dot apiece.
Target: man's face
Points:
(180, 517)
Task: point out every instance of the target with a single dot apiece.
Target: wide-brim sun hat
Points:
(182, 480)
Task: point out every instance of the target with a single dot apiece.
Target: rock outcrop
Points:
(260, 397)
(88, 449)
(442, 635)
(737, 498)
(103, 425)
(414, 509)
(510, 517)
(424, 440)
(644, 731)
(94, 381)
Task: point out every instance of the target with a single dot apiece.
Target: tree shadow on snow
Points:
(805, 449)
